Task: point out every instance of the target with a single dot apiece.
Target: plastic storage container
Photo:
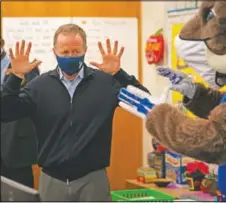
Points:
(141, 195)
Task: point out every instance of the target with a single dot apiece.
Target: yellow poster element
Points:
(178, 63)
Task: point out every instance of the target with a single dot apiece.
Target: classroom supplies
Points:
(175, 166)
(195, 173)
(209, 184)
(146, 175)
(156, 160)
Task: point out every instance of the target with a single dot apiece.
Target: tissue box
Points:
(176, 166)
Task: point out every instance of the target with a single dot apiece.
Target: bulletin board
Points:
(40, 32)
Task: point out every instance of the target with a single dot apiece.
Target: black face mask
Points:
(220, 79)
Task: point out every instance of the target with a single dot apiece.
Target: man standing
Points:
(72, 108)
(18, 138)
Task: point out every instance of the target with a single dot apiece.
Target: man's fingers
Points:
(11, 55)
(28, 50)
(21, 51)
(121, 52)
(34, 64)
(108, 44)
(17, 50)
(95, 64)
(101, 49)
(115, 49)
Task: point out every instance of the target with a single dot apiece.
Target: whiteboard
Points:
(40, 32)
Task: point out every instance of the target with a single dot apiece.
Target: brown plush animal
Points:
(202, 138)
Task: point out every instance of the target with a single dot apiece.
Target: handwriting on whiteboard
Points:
(40, 32)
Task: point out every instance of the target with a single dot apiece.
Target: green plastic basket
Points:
(141, 195)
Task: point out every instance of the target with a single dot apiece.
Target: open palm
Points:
(20, 61)
(110, 60)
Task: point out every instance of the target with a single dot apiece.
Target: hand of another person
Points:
(180, 81)
(20, 61)
(111, 59)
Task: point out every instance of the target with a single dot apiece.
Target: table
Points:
(134, 184)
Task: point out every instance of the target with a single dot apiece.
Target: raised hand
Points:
(20, 60)
(180, 81)
(110, 59)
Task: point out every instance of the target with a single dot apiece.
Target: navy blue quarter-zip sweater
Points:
(74, 136)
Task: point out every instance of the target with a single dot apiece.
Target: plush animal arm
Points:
(204, 101)
(194, 137)
(203, 139)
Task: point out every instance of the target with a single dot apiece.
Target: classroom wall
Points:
(153, 17)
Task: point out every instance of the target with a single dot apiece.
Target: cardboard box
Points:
(176, 166)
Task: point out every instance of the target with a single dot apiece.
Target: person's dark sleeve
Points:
(124, 79)
(16, 103)
(32, 74)
(203, 102)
